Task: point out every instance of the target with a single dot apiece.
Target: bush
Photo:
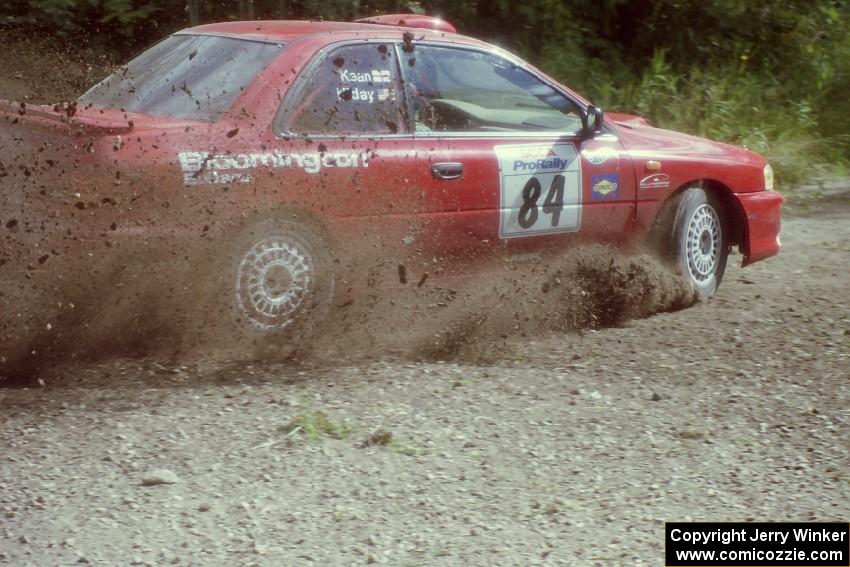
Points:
(724, 103)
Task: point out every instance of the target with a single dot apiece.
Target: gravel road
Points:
(566, 449)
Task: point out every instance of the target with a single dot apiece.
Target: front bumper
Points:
(762, 222)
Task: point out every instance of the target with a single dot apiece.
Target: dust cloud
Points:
(587, 287)
(162, 311)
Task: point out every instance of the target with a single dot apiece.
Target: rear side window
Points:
(190, 77)
(352, 90)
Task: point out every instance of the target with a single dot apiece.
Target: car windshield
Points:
(190, 77)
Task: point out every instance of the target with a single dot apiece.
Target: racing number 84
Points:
(553, 204)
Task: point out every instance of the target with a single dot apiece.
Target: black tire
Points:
(277, 278)
(695, 239)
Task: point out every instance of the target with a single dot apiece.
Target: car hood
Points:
(644, 141)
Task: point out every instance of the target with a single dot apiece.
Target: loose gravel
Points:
(566, 449)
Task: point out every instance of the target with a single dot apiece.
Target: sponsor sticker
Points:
(605, 187)
(202, 168)
(655, 181)
(598, 156)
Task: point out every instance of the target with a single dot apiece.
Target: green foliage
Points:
(728, 104)
(314, 424)
(769, 76)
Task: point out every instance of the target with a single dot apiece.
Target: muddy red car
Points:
(278, 166)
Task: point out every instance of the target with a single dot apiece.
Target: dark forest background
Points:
(771, 75)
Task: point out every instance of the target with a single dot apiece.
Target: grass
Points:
(314, 424)
(405, 447)
(400, 445)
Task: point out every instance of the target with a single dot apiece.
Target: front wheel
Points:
(698, 245)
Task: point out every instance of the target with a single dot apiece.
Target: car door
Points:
(345, 152)
(509, 167)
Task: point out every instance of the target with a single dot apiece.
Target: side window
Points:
(354, 90)
(460, 90)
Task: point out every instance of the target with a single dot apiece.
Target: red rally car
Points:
(281, 162)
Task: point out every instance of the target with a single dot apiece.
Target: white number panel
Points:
(540, 189)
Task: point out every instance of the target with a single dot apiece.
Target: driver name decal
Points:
(203, 168)
(540, 188)
(364, 95)
(371, 78)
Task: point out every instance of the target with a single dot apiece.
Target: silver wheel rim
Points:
(273, 280)
(703, 243)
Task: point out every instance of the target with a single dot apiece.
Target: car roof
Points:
(284, 31)
(287, 30)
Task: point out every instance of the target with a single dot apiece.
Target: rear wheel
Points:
(696, 240)
(278, 279)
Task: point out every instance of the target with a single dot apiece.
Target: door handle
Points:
(447, 171)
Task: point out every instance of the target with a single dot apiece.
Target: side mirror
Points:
(593, 120)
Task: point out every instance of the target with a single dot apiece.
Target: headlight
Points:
(768, 178)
